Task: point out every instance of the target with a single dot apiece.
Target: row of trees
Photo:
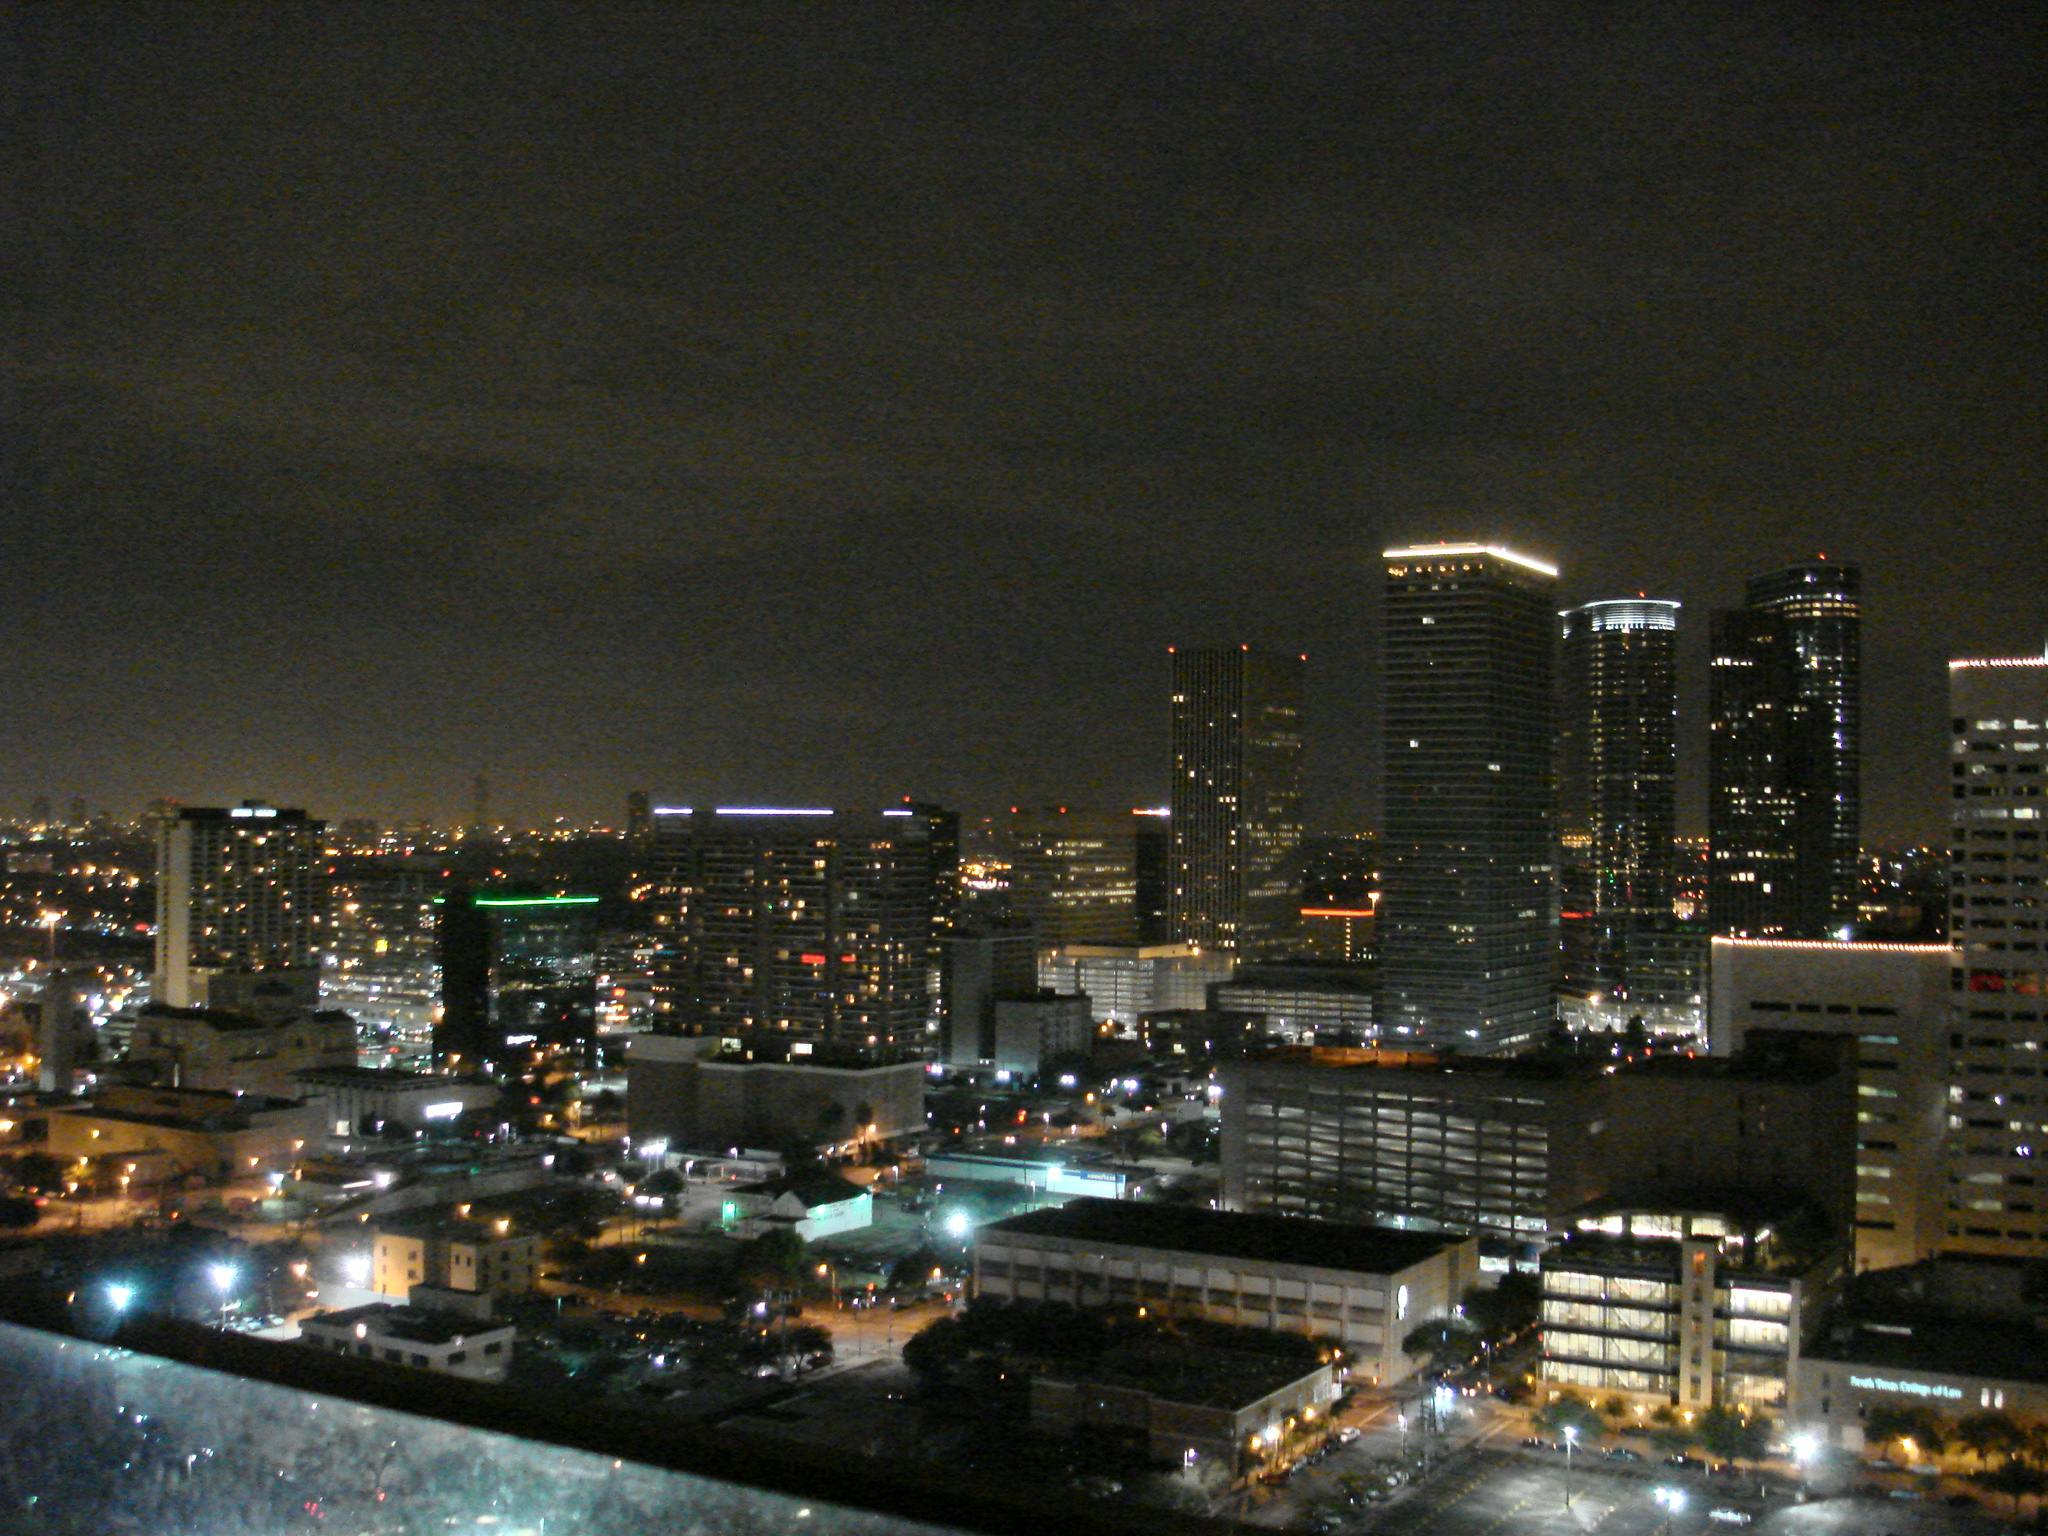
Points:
(2011, 1458)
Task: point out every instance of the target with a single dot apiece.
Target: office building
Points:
(799, 932)
(1507, 1147)
(383, 963)
(1182, 1405)
(518, 969)
(1366, 1286)
(1468, 900)
(1084, 876)
(172, 1134)
(1127, 981)
(1036, 1031)
(1784, 756)
(1343, 933)
(982, 961)
(1893, 1000)
(1617, 800)
(1819, 602)
(240, 891)
(1236, 822)
(1676, 1308)
(1998, 922)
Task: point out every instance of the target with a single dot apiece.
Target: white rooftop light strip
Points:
(773, 810)
(674, 810)
(1443, 551)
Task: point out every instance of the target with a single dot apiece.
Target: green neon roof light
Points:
(535, 901)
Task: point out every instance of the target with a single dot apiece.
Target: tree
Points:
(914, 1269)
(665, 1182)
(37, 1170)
(1566, 1412)
(17, 1213)
(937, 1351)
(1733, 1436)
(2015, 1479)
(1498, 1312)
(775, 1258)
(1441, 1342)
(1990, 1433)
(1884, 1424)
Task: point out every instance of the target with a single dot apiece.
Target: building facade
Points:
(1303, 1004)
(1124, 982)
(982, 961)
(1617, 798)
(1998, 921)
(383, 963)
(484, 1258)
(240, 889)
(448, 1344)
(1083, 876)
(1893, 1000)
(1468, 900)
(1236, 812)
(692, 1092)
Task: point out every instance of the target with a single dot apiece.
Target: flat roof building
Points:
(1365, 1287)
(450, 1344)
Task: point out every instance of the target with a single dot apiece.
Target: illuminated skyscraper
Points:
(1236, 813)
(1820, 604)
(1784, 756)
(1617, 801)
(240, 891)
(1468, 900)
(1080, 876)
(383, 964)
(518, 968)
(1998, 922)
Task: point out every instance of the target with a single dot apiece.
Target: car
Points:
(1903, 1493)
(1347, 1435)
(1535, 1443)
(1724, 1515)
(1681, 1460)
(1621, 1453)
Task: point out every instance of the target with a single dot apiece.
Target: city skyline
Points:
(850, 407)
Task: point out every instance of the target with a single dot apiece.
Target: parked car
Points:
(1681, 1460)
(1726, 1516)
(1621, 1453)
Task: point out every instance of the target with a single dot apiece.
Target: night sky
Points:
(834, 401)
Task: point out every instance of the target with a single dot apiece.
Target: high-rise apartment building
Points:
(1236, 812)
(800, 931)
(1998, 922)
(240, 890)
(1784, 761)
(1617, 796)
(1468, 900)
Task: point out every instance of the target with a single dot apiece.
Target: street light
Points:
(223, 1276)
(958, 1226)
(1571, 1439)
(120, 1296)
(1805, 1447)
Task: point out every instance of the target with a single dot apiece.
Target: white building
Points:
(1894, 999)
(814, 1204)
(1366, 1287)
(239, 891)
(1998, 918)
(448, 1343)
(1127, 981)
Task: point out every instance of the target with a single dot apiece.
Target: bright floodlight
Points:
(957, 1224)
(223, 1277)
(120, 1296)
(1805, 1445)
(1571, 1432)
(355, 1269)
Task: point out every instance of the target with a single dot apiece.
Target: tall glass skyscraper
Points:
(1468, 902)
(1237, 800)
(1617, 795)
(1784, 811)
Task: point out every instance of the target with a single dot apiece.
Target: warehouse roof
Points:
(1232, 1235)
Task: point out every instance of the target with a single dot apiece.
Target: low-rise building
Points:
(358, 1101)
(480, 1256)
(692, 1092)
(184, 1130)
(1180, 1407)
(1363, 1287)
(238, 1052)
(814, 1204)
(1055, 1172)
(449, 1343)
